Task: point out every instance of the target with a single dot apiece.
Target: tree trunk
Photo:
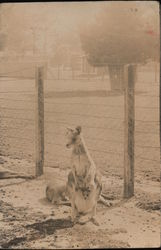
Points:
(116, 73)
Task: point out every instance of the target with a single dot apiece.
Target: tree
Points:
(123, 33)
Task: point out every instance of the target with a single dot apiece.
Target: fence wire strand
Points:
(87, 106)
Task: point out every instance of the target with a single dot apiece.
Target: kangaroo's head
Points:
(73, 136)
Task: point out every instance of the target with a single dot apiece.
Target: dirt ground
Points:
(27, 219)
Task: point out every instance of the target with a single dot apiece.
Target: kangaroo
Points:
(56, 193)
(84, 182)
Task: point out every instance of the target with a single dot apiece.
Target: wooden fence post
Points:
(129, 77)
(39, 123)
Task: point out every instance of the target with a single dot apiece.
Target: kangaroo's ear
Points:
(78, 129)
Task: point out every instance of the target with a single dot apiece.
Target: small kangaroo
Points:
(56, 193)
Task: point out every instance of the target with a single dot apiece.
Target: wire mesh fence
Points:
(147, 125)
(102, 130)
(102, 119)
(88, 103)
(17, 116)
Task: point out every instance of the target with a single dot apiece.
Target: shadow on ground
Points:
(38, 230)
(50, 226)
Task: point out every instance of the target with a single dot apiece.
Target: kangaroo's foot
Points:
(84, 219)
(94, 221)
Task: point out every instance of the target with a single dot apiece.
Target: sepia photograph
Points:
(80, 125)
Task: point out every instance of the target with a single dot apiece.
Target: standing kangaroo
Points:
(84, 182)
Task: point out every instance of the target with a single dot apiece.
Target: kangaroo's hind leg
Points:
(90, 216)
(71, 195)
(74, 212)
(93, 216)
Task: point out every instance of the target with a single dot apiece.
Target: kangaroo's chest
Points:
(83, 170)
(80, 164)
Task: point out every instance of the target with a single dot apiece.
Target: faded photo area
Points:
(79, 125)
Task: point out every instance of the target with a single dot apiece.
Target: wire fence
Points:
(86, 103)
(17, 116)
(147, 126)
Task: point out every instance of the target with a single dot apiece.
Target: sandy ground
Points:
(27, 220)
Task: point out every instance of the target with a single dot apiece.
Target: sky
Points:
(58, 20)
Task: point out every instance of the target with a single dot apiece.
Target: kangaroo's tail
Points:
(104, 202)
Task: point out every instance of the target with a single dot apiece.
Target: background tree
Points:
(123, 33)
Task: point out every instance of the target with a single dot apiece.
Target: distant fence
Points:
(68, 73)
(34, 118)
(60, 72)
